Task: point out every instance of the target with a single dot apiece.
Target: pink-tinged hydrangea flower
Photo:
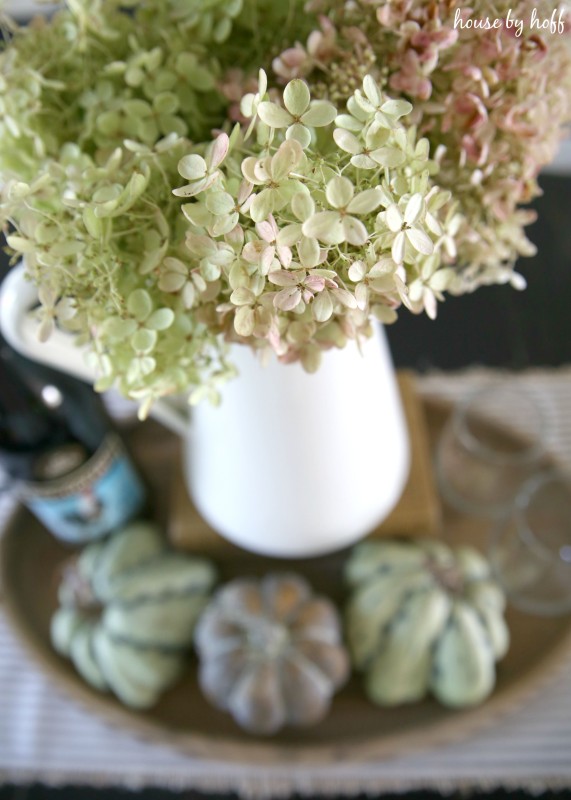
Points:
(313, 256)
(492, 102)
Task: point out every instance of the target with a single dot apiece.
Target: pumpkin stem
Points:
(79, 590)
(270, 638)
(449, 576)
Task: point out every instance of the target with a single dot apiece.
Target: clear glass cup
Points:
(530, 549)
(492, 443)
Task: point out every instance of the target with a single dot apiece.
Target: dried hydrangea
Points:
(491, 102)
(97, 106)
(332, 202)
(318, 221)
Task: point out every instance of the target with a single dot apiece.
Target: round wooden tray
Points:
(30, 560)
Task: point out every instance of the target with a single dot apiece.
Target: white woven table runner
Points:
(46, 737)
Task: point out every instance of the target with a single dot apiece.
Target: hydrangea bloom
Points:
(393, 172)
(96, 105)
(320, 243)
(490, 102)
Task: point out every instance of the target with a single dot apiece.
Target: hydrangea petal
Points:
(288, 298)
(172, 281)
(362, 296)
(244, 321)
(47, 327)
(347, 141)
(248, 168)
(117, 328)
(267, 259)
(363, 104)
(309, 252)
(339, 192)
(224, 225)
(322, 307)
(420, 240)
(364, 162)
(285, 192)
(388, 157)
(197, 214)
(517, 281)
(262, 205)
(397, 250)
(326, 226)
(218, 150)
(220, 203)
(384, 314)
(192, 189)
(354, 230)
(394, 218)
(296, 97)
(286, 158)
(299, 133)
(152, 259)
(291, 234)
(242, 296)
(357, 271)
(144, 340)
(140, 368)
(20, 244)
(139, 304)
(161, 319)
(430, 305)
(377, 136)
(441, 279)
(283, 277)
(192, 167)
(422, 149)
(365, 202)
(311, 358)
(348, 123)
(433, 225)
(345, 297)
(319, 114)
(188, 295)
(372, 91)
(396, 108)
(273, 115)
(302, 205)
(414, 209)
(176, 265)
(267, 230)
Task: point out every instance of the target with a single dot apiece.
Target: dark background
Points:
(496, 326)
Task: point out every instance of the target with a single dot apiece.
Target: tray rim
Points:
(455, 726)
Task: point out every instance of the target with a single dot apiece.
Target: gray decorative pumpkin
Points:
(128, 607)
(270, 653)
(424, 618)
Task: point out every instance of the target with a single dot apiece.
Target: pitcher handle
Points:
(18, 296)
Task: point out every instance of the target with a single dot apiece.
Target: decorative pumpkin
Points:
(270, 653)
(128, 611)
(422, 618)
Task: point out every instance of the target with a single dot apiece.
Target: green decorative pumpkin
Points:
(424, 618)
(270, 653)
(128, 607)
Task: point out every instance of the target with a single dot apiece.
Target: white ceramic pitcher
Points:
(290, 464)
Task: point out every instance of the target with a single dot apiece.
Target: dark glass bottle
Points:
(58, 449)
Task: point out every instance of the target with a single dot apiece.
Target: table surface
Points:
(44, 736)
